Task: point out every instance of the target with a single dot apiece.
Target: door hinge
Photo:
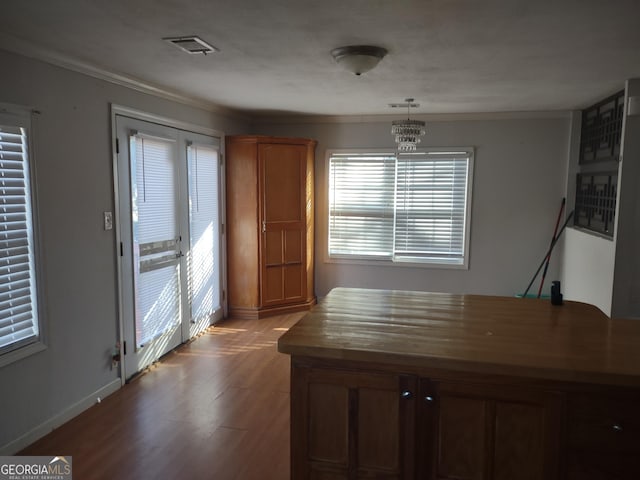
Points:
(117, 145)
(121, 249)
(124, 347)
(222, 229)
(222, 159)
(224, 295)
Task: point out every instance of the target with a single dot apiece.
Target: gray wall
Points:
(72, 146)
(520, 178)
(626, 284)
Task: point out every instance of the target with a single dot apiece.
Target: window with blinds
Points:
(361, 205)
(19, 322)
(411, 207)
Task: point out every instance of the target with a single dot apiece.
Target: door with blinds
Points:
(170, 275)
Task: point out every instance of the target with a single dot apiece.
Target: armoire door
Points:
(282, 170)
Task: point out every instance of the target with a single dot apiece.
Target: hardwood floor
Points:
(216, 408)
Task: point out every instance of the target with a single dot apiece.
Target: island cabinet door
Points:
(487, 432)
(603, 435)
(350, 425)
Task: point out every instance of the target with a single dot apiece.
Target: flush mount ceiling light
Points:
(407, 132)
(358, 59)
(191, 44)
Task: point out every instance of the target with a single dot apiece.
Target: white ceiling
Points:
(450, 55)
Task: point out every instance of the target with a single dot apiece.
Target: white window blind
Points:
(204, 260)
(19, 324)
(406, 208)
(155, 236)
(431, 199)
(361, 205)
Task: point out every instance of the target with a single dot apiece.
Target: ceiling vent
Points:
(192, 44)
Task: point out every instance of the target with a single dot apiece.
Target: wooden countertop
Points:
(470, 333)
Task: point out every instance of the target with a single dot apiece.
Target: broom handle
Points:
(548, 253)
(555, 232)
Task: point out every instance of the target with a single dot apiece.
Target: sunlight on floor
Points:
(223, 351)
(214, 330)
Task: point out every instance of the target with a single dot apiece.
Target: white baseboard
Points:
(74, 410)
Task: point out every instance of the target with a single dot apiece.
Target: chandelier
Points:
(407, 132)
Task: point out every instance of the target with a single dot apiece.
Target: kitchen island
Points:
(404, 385)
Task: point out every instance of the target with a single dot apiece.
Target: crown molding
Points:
(430, 117)
(28, 49)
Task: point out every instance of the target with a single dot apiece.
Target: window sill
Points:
(401, 263)
(593, 233)
(22, 352)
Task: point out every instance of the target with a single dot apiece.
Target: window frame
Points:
(390, 261)
(21, 116)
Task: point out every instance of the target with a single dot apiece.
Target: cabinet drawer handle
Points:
(428, 398)
(406, 394)
(617, 427)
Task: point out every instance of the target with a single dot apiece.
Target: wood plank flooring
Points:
(216, 408)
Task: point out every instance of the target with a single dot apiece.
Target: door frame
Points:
(168, 122)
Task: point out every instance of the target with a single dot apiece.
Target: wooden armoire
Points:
(269, 196)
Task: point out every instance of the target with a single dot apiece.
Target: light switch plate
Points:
(108, 220)
(633, 106)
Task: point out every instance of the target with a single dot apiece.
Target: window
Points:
(409, 207)
(19, 319)
(597, 179)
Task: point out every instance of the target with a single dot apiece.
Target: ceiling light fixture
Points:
(407, 132)
(358, 59)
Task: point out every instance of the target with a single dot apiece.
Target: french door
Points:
(170, 252)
